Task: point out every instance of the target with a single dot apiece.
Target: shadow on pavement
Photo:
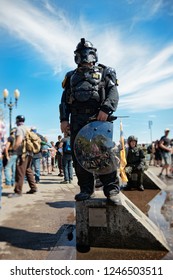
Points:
(62, 204)
(50, 182)
(33, 240)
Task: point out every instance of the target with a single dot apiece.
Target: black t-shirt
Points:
(166, 142)
(10, 139)
(57, 147)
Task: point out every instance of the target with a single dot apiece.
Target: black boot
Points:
(141, 188)
(83, 196)
(113, 197)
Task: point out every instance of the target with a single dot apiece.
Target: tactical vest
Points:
(85, 84)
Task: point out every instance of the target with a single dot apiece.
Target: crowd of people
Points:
(53, 156)
(17, 167)
(160, 154)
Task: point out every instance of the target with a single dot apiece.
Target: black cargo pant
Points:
(136, 178)
(23, 168)
(86, 180)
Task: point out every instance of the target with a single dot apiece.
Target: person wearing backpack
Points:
(67, 162)
(23, 166)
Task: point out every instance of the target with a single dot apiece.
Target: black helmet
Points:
(20, 118)
(85, 52)
(132, 138)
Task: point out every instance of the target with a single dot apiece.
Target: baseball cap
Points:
(167, 129)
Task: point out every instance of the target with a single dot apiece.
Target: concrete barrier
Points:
(100, 224)
(151, 181)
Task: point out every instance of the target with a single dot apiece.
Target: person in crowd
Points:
(23, 166)
(36, 160)
(158, 155)
(144, 148)
(46, 157)
(151, 151)
(89, 90)
(135, 164)
(171, 144)
(58, 146)
(165, 148)
(10, 157)
(2, 146)
(67, 161)
(53, 155)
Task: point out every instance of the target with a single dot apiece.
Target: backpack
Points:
(67, 147)
(149, 149)
(32, 143)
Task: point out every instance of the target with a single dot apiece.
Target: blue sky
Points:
(37, 43)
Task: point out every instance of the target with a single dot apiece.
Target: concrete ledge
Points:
(100, 224)
(152, 181)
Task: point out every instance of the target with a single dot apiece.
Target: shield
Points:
(93, 148)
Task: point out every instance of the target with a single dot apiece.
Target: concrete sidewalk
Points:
(33, 226)
(30, 225)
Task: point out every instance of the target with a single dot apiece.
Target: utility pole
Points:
(150, 123)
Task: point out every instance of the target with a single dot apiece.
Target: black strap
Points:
(83, 110)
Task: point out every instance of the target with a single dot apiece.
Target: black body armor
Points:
(84, 84)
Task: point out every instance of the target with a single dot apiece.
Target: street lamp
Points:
(10, 104)
(150, 123)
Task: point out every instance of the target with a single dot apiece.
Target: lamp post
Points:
(10, 104)
(150, 123)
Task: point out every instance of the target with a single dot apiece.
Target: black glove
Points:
(140, 167)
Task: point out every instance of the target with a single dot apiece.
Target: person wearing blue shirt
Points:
(46, 156)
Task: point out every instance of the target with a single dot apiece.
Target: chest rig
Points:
(133, 155)
(85, 84)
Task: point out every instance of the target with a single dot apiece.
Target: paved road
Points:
(31, 225)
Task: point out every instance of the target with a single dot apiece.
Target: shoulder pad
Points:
(110, 72)
(67, 77)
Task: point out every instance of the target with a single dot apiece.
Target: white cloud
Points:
(148, 101)
(152, 116)
(150, 88)
(145, 76)
(145, 11)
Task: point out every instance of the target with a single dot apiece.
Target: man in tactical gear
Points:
(89, 90)
(135, 164)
